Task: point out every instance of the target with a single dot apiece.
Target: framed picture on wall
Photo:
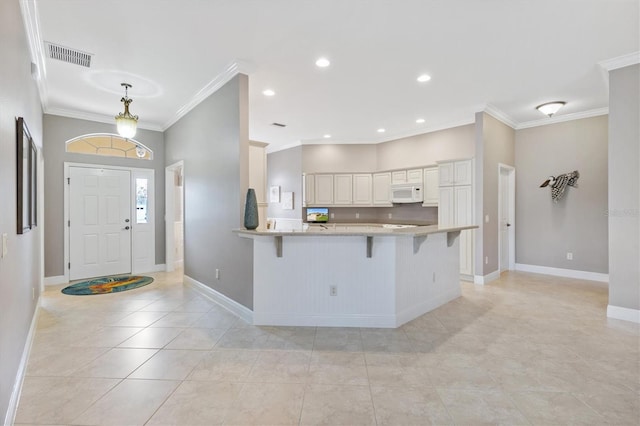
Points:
(33, 185)
(23, 176)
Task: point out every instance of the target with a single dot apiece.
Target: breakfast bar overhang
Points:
(353, 277)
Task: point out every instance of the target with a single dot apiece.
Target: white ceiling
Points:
(505, 55)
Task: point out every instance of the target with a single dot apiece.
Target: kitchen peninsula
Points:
(353, 275)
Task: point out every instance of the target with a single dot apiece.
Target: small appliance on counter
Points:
(406, 193)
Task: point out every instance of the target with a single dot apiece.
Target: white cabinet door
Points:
(324, 190)
(382, 189)
(309, 187)
(464, 216)
(463, 205)
(445, 174)
(414, 176)
(446, 207)
(343, 189)
(463, 172)
(431, 190)
(399, 176)
(362, 189)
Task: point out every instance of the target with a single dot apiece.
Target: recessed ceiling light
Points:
(423, 78)
(326, 136)
(420, 120)
(323, 62)
(268, 92)
(381, 130)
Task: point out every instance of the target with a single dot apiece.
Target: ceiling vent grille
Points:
(66, 54)
(278, 124)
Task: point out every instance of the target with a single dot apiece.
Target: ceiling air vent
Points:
(69, 55)
(278, 124)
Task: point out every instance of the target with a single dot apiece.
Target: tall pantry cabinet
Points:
(456, 207)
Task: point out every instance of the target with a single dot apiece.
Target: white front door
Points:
(99, 222)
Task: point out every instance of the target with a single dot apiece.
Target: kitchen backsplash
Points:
(413, 214)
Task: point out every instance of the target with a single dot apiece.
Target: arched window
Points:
(109, 145)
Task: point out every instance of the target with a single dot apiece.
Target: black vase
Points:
(251, 210)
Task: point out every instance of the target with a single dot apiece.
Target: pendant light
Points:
(550, 108)
(127, 124)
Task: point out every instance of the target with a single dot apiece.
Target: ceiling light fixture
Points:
(381, 130)
(420, 120)
(323, 62)
(550, 108)
(423, 78)
(268, 92)
(127, 124)
(326, 136)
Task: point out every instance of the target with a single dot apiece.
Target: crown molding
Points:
(620, 61)
(563, 118)
(499, 115)
(89, 116)
(32, 29)
(230, 71)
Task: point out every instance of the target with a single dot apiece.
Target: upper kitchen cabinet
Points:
(455, 173)
(382, 189)
(309, 188)
(362, 189)
(406, 176)
(343, 189)
(323, 190)
(431, 189)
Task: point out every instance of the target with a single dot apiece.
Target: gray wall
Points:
(498, 147)
(21, 269)
(212, 139)
(546, 231)
(422, 150)
(624, 188)
(361, 158)
(284, 169)
(58, 130)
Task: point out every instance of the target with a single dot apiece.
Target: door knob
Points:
(508, 224)
(126, 228)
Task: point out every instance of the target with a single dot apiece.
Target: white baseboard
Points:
(486, 279)
(333, 320)
(12, 409)
(559, 272)
(626, 314)
(60, 279)
(231, 305)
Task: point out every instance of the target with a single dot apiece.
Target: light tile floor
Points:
(526, 349)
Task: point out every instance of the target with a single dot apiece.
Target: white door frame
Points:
(169, 209)
(151, 200)
(511, 171)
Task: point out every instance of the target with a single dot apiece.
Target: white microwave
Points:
(406, 193)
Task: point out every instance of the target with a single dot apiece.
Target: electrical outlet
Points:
(569, 255)
(333, 215)
(486, 219)
(390, 215)
(486, 260)
(357, 215)
(217, 274)
(333, 290)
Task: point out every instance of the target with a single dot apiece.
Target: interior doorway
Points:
(506, 217)
(174, 216)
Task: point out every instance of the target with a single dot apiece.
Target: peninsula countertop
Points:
(359, 229)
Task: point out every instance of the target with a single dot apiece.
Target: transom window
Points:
(109, 145)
